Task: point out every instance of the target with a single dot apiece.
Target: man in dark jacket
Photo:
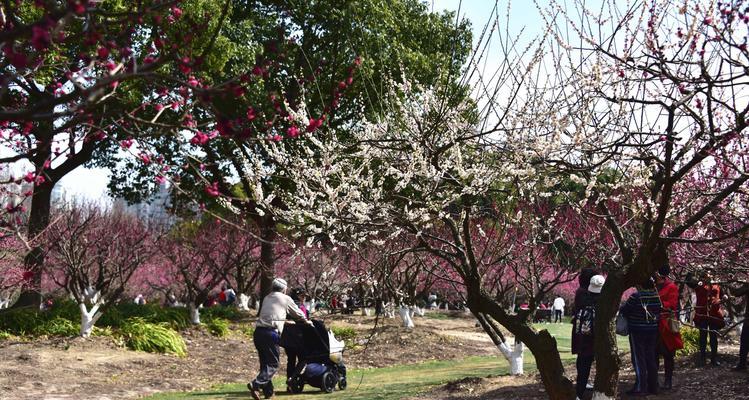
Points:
(642, 310)
(582, 331)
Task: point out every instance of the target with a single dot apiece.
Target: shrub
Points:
(691, 338)
(230, 313)
(6, 335)
(116, 316)
(343, 333)
(57, 326)
(217, 326)
(248, 330)
(21, 322)
(140, 335)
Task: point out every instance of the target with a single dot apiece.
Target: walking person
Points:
(276, 307)
(708, 316)
(642, 311)
(744, 346)
(669, 337)
(583, 332)
(558, 309)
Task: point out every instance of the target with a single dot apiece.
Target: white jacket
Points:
(276, 308)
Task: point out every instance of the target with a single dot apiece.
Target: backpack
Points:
(584, 319)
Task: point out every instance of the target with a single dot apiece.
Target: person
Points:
(139, 300)
(275, 308)
(558, 309)
(668, 341)
(227, 296)
(708, 316)
(642, 311)
(583, 333)
(583, 280)
(744, 343)
(298, 295)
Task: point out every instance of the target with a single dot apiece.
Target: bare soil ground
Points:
(97, 368)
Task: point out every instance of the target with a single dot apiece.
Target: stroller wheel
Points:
(295, 384)
(329, 381)
(342, 383)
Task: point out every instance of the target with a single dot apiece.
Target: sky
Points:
(91, 184)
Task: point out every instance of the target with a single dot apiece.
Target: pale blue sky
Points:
(91, 184)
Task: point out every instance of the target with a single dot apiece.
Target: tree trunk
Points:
(267, 256)
(405, 314)
(88, 318)
(41, 202)
(514, 356)
(244, 302)
(194, 313)
(541, 344)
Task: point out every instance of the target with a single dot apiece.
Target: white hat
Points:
(279, 283)
(596, 283)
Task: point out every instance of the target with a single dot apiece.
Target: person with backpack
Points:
(669, 336)
(642, 311)
(583, 320)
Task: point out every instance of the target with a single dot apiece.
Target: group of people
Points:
(650, 317)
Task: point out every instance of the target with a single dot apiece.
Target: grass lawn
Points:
(398, 381)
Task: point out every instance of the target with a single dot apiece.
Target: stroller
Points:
(320, 357)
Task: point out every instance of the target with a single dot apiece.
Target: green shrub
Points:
(140, 335)
(248, 330)
(342, 333)
(57, 326)
(217, 326)
(230, 313)
(116, 316)
(21, 321)
(6, 335)
(691, 339)
(102, 332)
(64, 308)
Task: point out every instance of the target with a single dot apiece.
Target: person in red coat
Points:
(668, 341)
(708, 316)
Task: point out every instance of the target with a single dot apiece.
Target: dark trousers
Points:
(644, 360)
(744, 349)
(557, 316)
(291, 360)
(266, 343)
(710, 329)
(583, 364)
(668, 360)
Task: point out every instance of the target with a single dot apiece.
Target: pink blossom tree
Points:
(93, 254)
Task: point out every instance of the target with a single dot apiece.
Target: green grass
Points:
(562, 333)
(377, 383)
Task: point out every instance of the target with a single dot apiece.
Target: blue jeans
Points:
(644, 360)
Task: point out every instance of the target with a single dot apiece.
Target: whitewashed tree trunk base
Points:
(514, 355)
(418, 311)
(194, 315)
(405, 314)
(601, 396)
(244, 302)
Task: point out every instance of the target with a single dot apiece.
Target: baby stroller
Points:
(320, 357)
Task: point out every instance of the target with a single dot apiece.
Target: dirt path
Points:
(96, 368)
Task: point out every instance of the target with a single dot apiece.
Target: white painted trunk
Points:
(739, 328)
(88, 318)
(405, 314)
(514, 356)
(244, 302)
(4, 303)
(365, 312)
(194, 314)
(417, 311)
(601, 396)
